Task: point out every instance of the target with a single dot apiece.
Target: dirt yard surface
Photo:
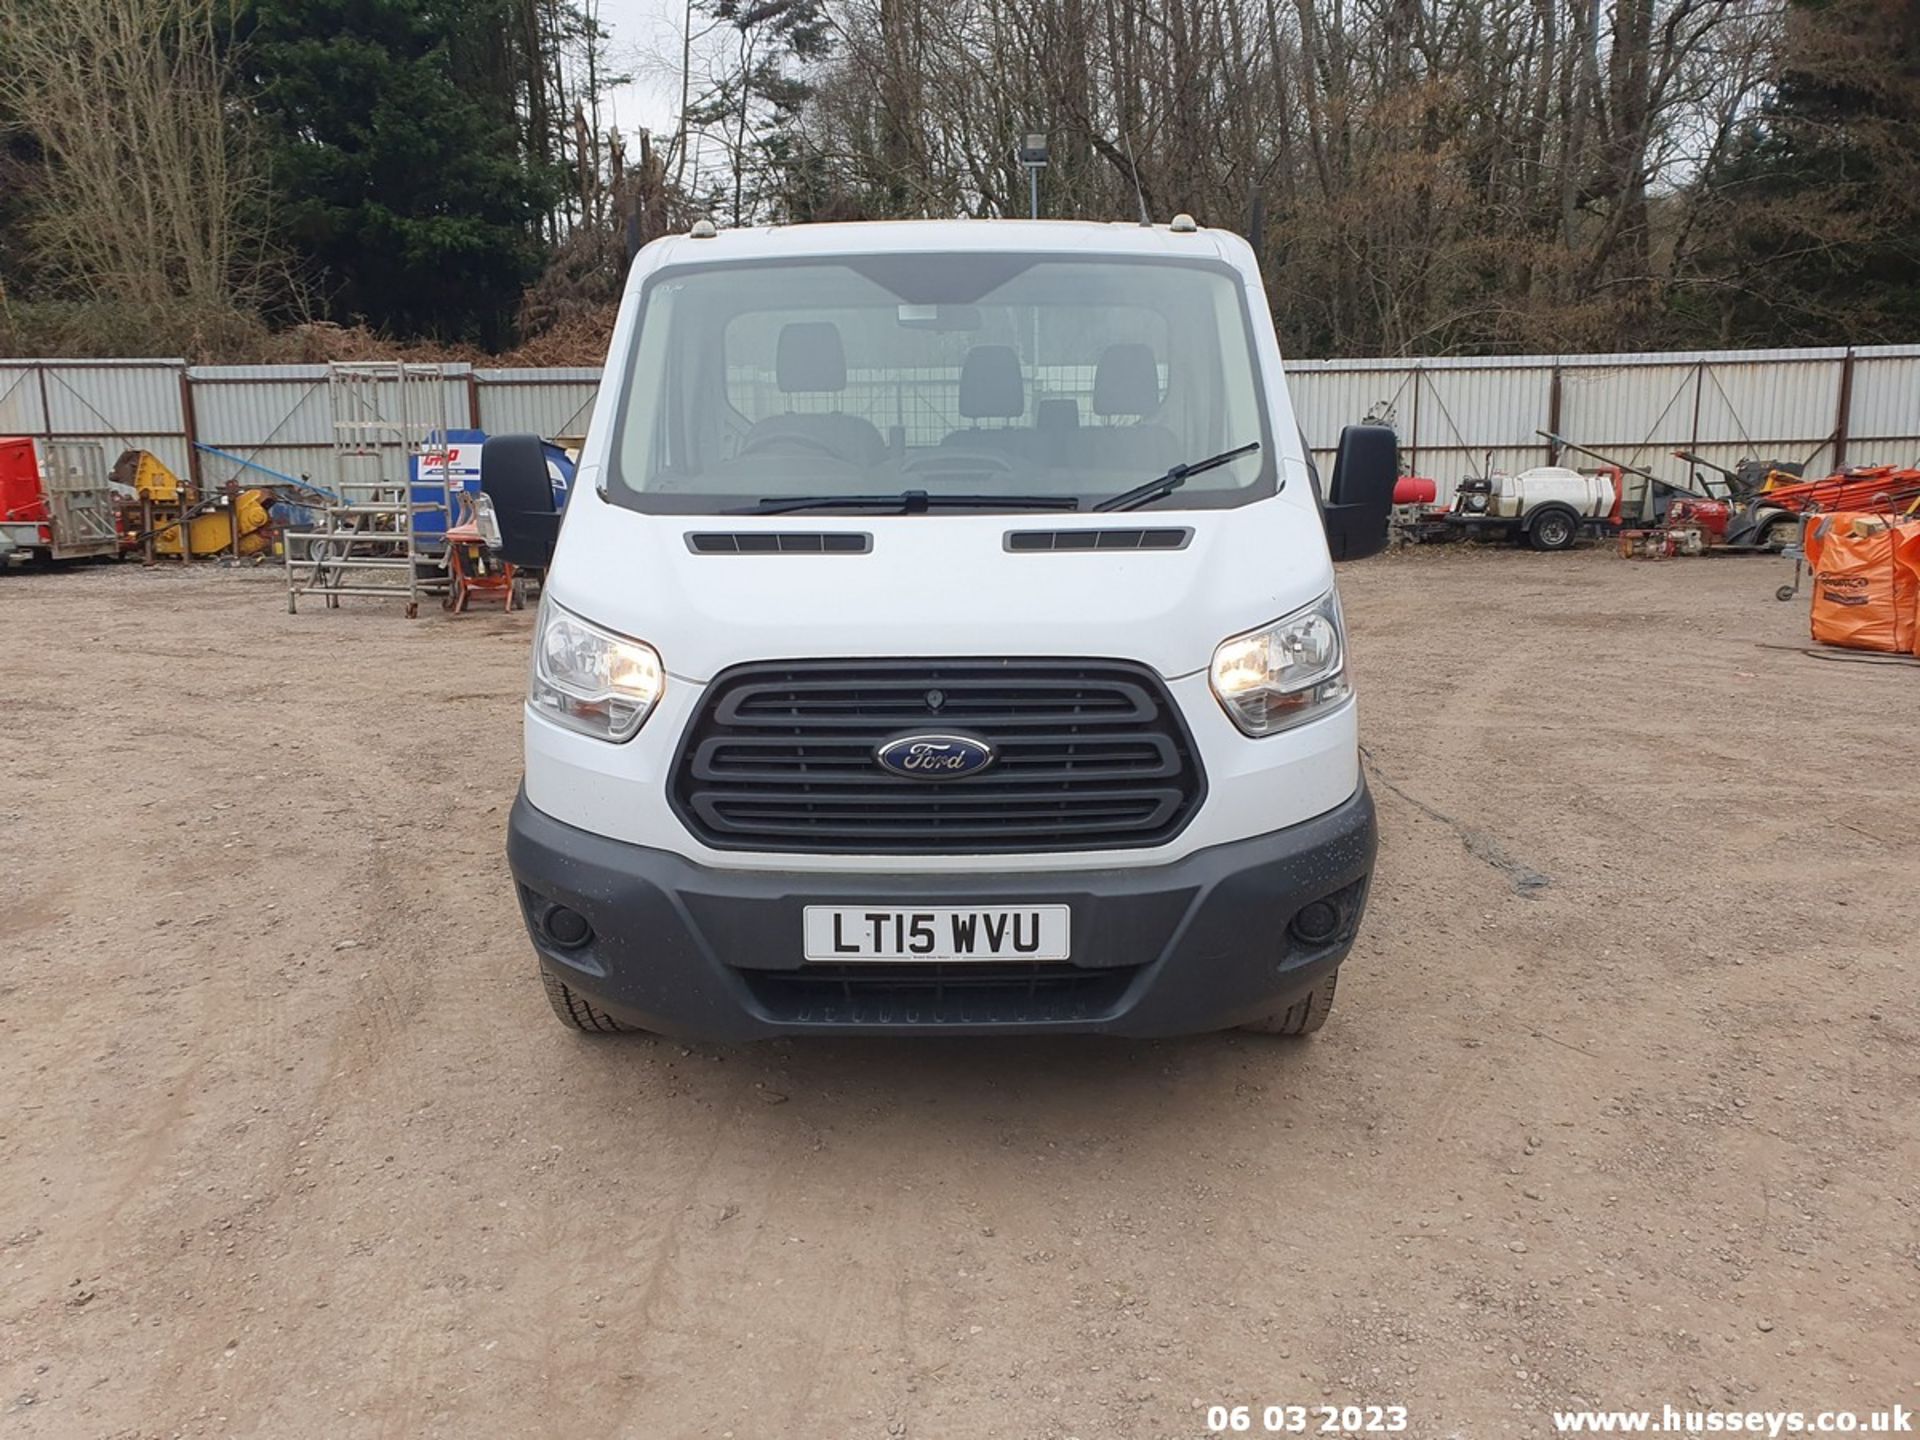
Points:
(1619, 1106)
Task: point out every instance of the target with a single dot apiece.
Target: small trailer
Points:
(1550, 506)
(55, 500)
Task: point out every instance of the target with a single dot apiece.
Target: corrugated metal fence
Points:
(277, 416)
(123, 404)
(1824, 407)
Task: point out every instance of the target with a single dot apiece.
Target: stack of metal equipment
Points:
(386, 414)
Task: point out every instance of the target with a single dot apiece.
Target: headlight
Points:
(1286, 672)
(590, 679)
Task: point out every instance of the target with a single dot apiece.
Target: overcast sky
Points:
(646, 42)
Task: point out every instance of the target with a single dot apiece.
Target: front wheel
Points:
(1305, 1015)
(1553, 530)
(577, 1012)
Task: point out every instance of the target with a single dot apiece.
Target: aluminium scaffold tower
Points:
(386, 416)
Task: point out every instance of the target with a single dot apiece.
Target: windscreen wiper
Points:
(1171, 481)
(907, 502)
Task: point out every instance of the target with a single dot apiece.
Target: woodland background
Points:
(239, 180)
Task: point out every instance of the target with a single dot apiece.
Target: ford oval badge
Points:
(935, 757)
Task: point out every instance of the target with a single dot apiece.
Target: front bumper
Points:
(1201, 943)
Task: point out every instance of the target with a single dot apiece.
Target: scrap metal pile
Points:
(1879, 488)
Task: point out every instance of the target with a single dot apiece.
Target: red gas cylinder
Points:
(1414, 490)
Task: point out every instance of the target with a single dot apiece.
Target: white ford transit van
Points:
(942, 637)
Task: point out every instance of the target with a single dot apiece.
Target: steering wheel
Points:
(755, 444)
(957, 462)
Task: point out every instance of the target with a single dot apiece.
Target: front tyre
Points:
(577, 1012)
(1553, 530)
(1305, 1015)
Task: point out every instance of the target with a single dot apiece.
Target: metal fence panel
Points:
(1478, 409)
(121, 404)
(1881, 423)
(274, 415)
(21, 410)
(1787, 408)
(536, 402)
(1328, 394)
(1634, 413)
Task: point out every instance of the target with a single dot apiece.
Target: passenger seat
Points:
(1126, 384)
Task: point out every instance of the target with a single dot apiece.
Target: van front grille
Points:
(1089, 755)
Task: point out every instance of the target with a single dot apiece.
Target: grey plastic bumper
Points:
(1201, 943)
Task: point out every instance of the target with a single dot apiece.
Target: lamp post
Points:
(1032, 154)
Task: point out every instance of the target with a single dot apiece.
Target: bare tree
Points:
(149, 180)
(1428, 174)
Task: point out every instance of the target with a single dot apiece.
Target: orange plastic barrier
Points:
(1866, 582)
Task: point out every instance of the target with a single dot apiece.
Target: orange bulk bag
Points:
(1906, 555)
(1866, 589)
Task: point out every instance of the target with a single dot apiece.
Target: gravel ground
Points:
(1620, 1103)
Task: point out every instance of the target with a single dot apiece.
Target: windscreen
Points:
(968, 377)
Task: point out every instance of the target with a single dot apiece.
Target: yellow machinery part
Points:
(144, 472)
(211, 533)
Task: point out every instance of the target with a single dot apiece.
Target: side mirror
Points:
(1361, 496)
(514, 478)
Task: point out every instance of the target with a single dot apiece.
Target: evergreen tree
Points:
(395, 158)
(1812, 225)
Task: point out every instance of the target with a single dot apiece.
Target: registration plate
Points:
(858, 932)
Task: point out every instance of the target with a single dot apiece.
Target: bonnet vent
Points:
(767, 542)
(1156, 539)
